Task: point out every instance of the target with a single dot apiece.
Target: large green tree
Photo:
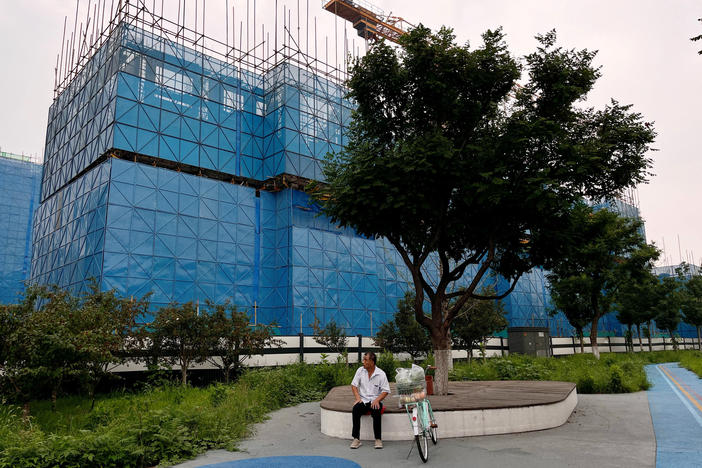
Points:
(454, 163)
(605, 252)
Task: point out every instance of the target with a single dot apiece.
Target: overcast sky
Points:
(644, 49)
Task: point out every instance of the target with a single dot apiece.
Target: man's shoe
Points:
(355, 443)
(378, 443)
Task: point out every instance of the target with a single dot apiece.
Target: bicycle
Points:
(421, 416)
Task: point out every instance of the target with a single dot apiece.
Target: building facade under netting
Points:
(20, 181)
(172, 172)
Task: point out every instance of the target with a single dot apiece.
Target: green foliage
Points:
(604, 252)
(178, 335)
(614, 373)
(404, 334)
(331, 335)
(230, 339)
(669, 298)
(499, 170)
(387, 362)
(162, 425)
(692, 304)
(636, 300)
(692, 361)
(477, 320)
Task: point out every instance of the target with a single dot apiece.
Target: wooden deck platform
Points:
(470, 408)
(468, 396)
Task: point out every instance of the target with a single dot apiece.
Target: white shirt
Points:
(371, 387)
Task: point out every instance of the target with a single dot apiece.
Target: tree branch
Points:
(498, 296)
(451, 314)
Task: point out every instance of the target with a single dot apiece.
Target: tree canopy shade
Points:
(447, 158)
(605, 252)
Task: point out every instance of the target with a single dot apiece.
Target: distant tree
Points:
(669, 300)
(692, 305)
(42, 349)
(448, 160)
(18, 379)
(105, 327)
(232, 340)
(636, 303)
(332, 336)
(477, 320)
(569, 297)
(403, 334)
(605, 252)
(178, 335)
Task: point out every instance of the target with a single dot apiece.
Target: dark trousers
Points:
(359, 409)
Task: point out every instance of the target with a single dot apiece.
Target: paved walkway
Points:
(676, 408)
(604, 431)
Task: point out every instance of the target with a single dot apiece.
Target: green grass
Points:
(161, 425)
(613, 373)
(167, 424)
(692, 361)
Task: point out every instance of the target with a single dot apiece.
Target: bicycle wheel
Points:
(422, 446)
(432, 426)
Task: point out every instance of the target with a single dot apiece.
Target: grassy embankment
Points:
(168, 423)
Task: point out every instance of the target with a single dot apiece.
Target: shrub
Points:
(388, 363)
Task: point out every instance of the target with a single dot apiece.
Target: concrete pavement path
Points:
(603, 431)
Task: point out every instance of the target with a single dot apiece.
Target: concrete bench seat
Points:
(471, 408)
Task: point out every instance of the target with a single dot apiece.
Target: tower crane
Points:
(371, 23)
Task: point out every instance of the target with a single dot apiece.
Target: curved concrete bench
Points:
(470, 409)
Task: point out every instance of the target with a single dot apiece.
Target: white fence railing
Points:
(298, 348)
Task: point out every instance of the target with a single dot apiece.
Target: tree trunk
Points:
(450, 355)
(470, 352)
(593, 337)
(630, 344)
(581, 336)
(227, 371)
(184, 374)
(638, 332)
(25, 411)
(441, 358)
(91, 393)
(699, 339)
(673, 340)
(650, 345)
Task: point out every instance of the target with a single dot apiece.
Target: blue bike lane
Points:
(675, 400)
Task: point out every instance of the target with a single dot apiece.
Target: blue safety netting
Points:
(141, 228)
(20, 182)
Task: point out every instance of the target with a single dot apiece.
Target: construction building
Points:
(176, 165)
(20, 181)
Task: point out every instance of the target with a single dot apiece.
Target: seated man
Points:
(370, 386)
